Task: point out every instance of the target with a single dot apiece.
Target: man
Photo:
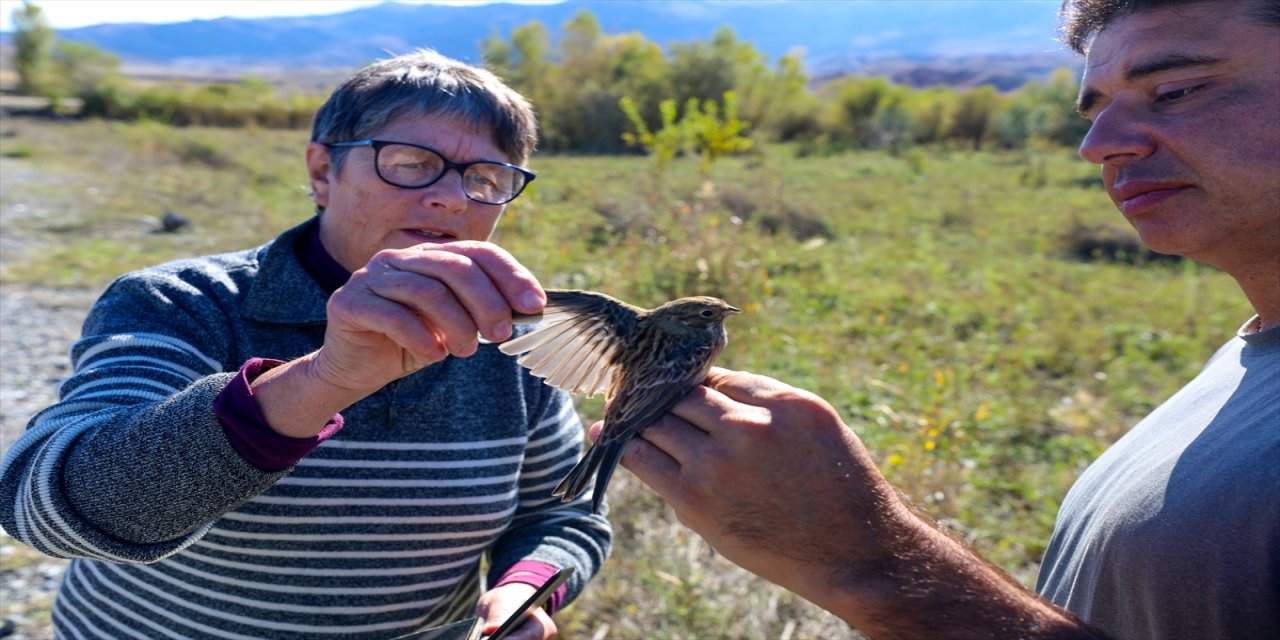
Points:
(1175, 531)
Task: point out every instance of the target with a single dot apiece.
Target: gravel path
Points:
(37, 327)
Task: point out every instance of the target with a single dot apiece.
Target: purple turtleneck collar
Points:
(317, 260)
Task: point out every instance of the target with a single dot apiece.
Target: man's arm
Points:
(772, 478)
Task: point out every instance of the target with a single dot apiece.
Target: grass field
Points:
(931, 297)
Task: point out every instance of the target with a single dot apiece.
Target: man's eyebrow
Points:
(1146, 68)
(1165, 63)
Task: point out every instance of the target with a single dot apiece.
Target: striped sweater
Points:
(382, 529)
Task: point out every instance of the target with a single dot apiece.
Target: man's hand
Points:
(499, 603)
(402, 311)
(772, 478)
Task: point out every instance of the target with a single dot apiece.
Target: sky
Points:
(68, 14)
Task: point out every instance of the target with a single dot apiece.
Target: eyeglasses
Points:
(412, 166)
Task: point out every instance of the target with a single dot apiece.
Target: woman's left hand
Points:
(497, 604)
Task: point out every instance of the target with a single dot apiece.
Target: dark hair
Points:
(425, 83)
(1080, 20)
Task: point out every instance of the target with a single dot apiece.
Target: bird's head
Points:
(698, 311)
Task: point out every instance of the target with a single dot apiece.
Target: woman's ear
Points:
(318, 172)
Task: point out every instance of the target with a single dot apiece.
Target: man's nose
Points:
(1119, 133)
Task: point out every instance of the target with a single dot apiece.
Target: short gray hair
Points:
(425, 83)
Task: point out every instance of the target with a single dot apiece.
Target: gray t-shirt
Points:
(1174, 532)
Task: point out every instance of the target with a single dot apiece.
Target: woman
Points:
(307, 438)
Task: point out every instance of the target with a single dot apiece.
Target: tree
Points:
(715, 136)
(1040, 114)
(664, 142)
(33, 49)
(782, 105)
(523, 63)
(705, 70)
(80, 68)
(855, 106)
(701, 129)
(973, 115)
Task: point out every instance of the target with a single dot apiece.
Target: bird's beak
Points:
(733, 310)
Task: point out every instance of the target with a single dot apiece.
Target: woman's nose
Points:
(447, 192)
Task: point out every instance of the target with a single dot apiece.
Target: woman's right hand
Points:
(404, 310)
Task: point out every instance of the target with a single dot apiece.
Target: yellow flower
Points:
(982, 413)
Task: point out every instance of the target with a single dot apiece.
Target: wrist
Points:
(534, 573)
(297, 401)
(925, 583)
(870, 580)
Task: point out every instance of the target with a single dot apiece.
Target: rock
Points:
(173, 222)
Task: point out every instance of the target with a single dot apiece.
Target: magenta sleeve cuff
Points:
(535, 573)
(247, 429)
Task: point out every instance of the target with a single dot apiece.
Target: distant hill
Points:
(956, 42)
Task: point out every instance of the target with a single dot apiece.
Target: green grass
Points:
(930, 297)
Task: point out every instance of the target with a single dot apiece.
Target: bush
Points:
(249, 102)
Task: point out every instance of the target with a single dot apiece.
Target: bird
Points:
(645, 360)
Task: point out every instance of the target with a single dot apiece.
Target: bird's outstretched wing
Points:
(577, 341)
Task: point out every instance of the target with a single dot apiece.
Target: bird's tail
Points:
(599, 463)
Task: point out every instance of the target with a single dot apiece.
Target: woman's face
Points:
(364, 215)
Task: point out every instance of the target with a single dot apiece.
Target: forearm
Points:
(772, 477)
(298, 403)
(929, 585)
(126, 483)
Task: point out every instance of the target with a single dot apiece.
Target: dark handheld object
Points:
(536, 600)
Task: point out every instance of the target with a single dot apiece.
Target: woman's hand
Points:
(499, 603)
(412, 307)
(404, 310)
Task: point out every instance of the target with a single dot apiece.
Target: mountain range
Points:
(918, 42)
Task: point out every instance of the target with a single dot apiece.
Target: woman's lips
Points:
(428, 235)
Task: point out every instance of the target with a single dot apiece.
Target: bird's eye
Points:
(707, 313)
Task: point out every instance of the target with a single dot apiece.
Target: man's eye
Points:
(1178, 94)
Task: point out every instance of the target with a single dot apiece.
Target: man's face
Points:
(364, 215)
(1185, 105)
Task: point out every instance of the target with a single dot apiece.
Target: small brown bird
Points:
(644, 360)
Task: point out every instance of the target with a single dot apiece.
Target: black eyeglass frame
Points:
(460, 167)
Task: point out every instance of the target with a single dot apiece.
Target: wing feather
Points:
(634, 409)
(600, 376)
(589, 367)
(568, 359)
(576, 341)
(570, 374)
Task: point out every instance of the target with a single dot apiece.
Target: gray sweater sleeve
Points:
(544, 528)
(132, 465)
